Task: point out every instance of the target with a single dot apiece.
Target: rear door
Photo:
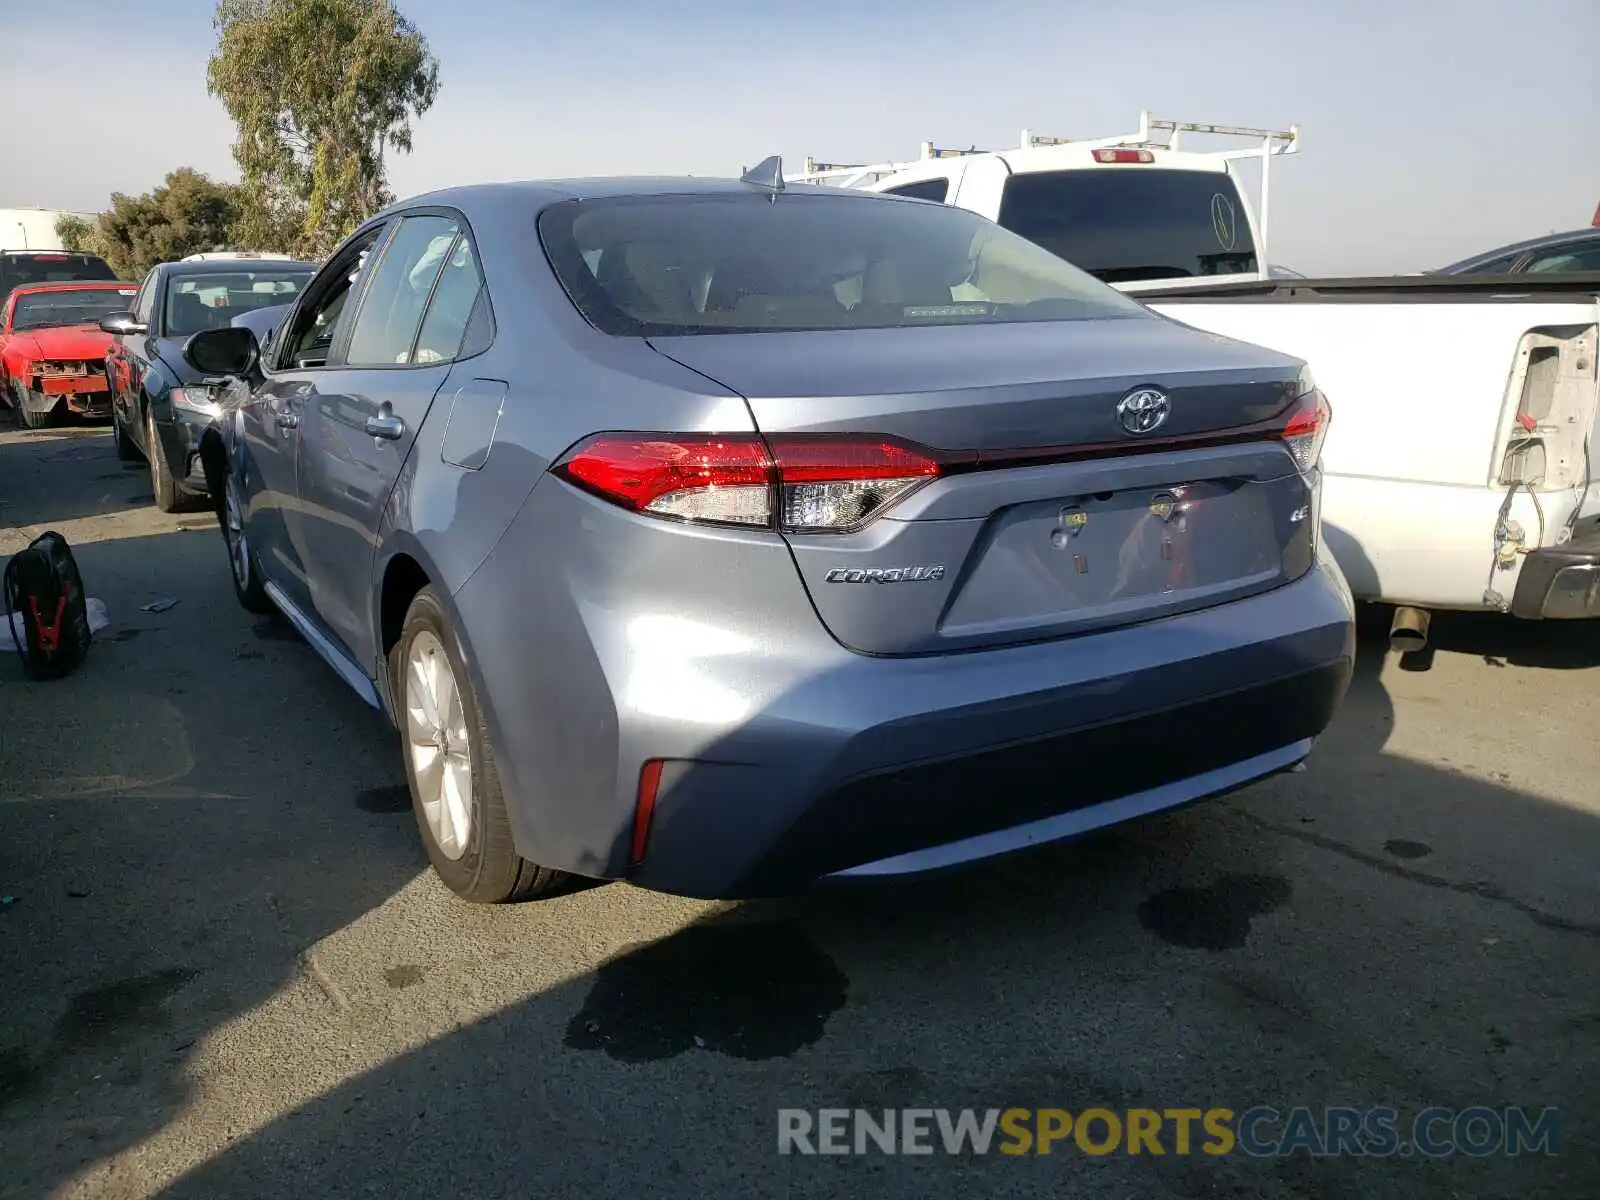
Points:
(360, 424)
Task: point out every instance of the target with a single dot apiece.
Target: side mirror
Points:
(228, 351)
(121, 323)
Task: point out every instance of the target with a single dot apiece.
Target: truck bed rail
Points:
(1541, 288)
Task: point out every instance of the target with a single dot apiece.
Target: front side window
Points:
(386, 328)
(41, 310)
(212, 300)
(740, 263)
(309, 341)
(1125, 224)
(144, 304)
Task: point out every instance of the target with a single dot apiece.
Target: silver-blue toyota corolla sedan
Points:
(733, 540)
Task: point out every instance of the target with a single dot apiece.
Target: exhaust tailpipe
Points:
(1409, 633)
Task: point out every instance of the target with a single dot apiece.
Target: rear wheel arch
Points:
(403, 578)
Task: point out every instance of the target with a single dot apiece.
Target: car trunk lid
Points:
(1050, 513)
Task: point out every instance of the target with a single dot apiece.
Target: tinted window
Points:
(309, 340)
(927, 189)
(1495, 266)
(146, 302)
(451, 306)
(736, 263)
(19, 269)
(211, 301)
(386, 327)
(1126, 224)
(1575, 256)
(41, 309)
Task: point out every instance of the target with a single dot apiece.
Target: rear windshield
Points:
(39, 310)
(19, 269)
(745, 263)
(211, 301)
(1125, 224)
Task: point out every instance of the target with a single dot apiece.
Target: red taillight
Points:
(1124, 156)
(644, 807)
(707, 478)
(49, 258)
(805, 484)
(1308, 428)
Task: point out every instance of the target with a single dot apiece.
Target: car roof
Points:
(217, 266)
(1538, 243)
(54, 253)
(540, 193)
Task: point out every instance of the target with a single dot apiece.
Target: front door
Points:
(361, 424)
(129, 360)
(272, 420)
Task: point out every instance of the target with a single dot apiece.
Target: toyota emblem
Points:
(1143, 410)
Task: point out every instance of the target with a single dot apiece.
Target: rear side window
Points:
(451, 308)
(1125, 224)
(924, 189)
(742, 263)
(386, 327)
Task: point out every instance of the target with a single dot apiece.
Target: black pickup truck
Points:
(18, 267)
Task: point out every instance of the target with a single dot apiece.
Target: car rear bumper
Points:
(1560, 582)
(789, 760)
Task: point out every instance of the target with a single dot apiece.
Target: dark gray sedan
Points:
(733, 540)
(160, 404)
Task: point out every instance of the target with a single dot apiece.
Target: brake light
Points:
(1124, 156)
(1308, 429)
(49, 258)
(818, 484)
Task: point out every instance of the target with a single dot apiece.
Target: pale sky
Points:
(1431, 129)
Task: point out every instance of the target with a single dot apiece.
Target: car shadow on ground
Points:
(191, 822)
(29, 459)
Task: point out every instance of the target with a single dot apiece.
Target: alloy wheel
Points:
(436, 741)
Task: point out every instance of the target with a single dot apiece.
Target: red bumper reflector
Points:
(644, 808)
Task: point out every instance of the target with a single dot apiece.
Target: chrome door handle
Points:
(387, 426)
(287, 419)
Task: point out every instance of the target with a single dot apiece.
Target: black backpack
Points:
(43, 585)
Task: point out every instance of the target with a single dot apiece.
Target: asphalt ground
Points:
(226, 971)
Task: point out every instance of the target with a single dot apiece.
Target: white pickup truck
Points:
(1466, 409)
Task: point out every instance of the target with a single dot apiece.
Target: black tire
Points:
(41, 418)
(489, 870)
(127, 448)
(169, 496)
(243, 568)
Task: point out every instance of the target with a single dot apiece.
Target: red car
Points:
(52, 353)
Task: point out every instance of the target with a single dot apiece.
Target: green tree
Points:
(188, 214)
(319, 91)
(74, 232)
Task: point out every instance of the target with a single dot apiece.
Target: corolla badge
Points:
(1144, 410)
(926, 574)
